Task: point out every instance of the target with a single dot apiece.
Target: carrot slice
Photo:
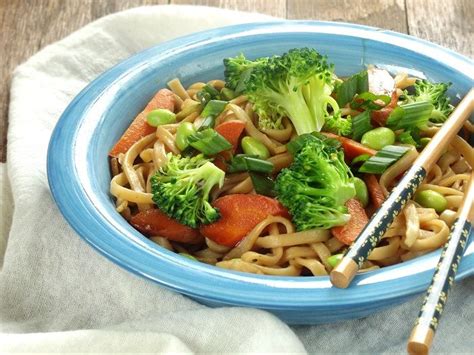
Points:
(139, 128)
(348, 233)
(153, 222)
(375, 191)
(231, 130)
(240, 213)
(351, 148)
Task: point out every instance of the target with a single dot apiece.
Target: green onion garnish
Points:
(360, 125)
(356, 84)
(208, 142)
(410, 116)
(263, 184)
(383, 159)
(214, 108)
(243, 162)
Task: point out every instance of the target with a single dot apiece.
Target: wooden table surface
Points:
(26, 26)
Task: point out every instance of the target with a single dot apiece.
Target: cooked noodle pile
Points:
(274, 247)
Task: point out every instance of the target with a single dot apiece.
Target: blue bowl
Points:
(78, 168)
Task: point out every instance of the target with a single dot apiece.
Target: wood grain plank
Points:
(29, 25)
(270, 7)
(387, 14)
(445, 22)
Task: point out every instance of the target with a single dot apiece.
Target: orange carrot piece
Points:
(379, 117)
(348, 233)
(231, 130)
(153, 222)
(240, 213)
(220, 162)
(351, 148)
(139, 128)
(375, 191)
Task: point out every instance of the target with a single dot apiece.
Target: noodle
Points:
(273, 246)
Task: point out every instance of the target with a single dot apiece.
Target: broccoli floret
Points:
(181, 189)
(316, 186)
(298, 85)
(237, 70)
(338, 125)
(434, 93)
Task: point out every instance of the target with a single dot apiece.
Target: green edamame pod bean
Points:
(424, 141)
(335, 259)
(362, 193)
(160, 117)
(188, 256)
(185, 129)
(252, 146)
(431, 199)
(378, 138)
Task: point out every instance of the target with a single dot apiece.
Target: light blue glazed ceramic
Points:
(79, 176)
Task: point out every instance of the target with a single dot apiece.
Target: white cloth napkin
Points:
(58, 295)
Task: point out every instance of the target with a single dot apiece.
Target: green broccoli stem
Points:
(207, 176)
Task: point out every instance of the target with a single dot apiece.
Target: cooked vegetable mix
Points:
(277, 169)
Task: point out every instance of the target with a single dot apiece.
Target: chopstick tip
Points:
(420, 340)
(342, 275)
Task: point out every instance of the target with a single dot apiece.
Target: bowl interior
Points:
(100, 114)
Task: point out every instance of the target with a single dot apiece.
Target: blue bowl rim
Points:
(253, 290)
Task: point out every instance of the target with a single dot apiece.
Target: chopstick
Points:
(423, 332)
(342, 275)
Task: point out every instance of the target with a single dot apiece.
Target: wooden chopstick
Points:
(357, 253)
(423, 332)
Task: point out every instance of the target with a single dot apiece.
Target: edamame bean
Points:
(185, 129)
(424, 141)
(431, 199)
(188, 256)
(252, 146)
(362, 194)
(160, 117)
(378, 138)
(335, 259)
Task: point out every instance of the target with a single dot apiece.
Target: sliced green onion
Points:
(243, 162)
(263, 184)
(410, 116)
(160, 117)
(208, 142)
(206, 94)
(210, 113)
(356, 84)
(211, 90)
(204, 97)
(383, 159)
(214, 108)
(208, 122)
(367, 101)
(360, 159)
(360, 125)
(392, 151)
